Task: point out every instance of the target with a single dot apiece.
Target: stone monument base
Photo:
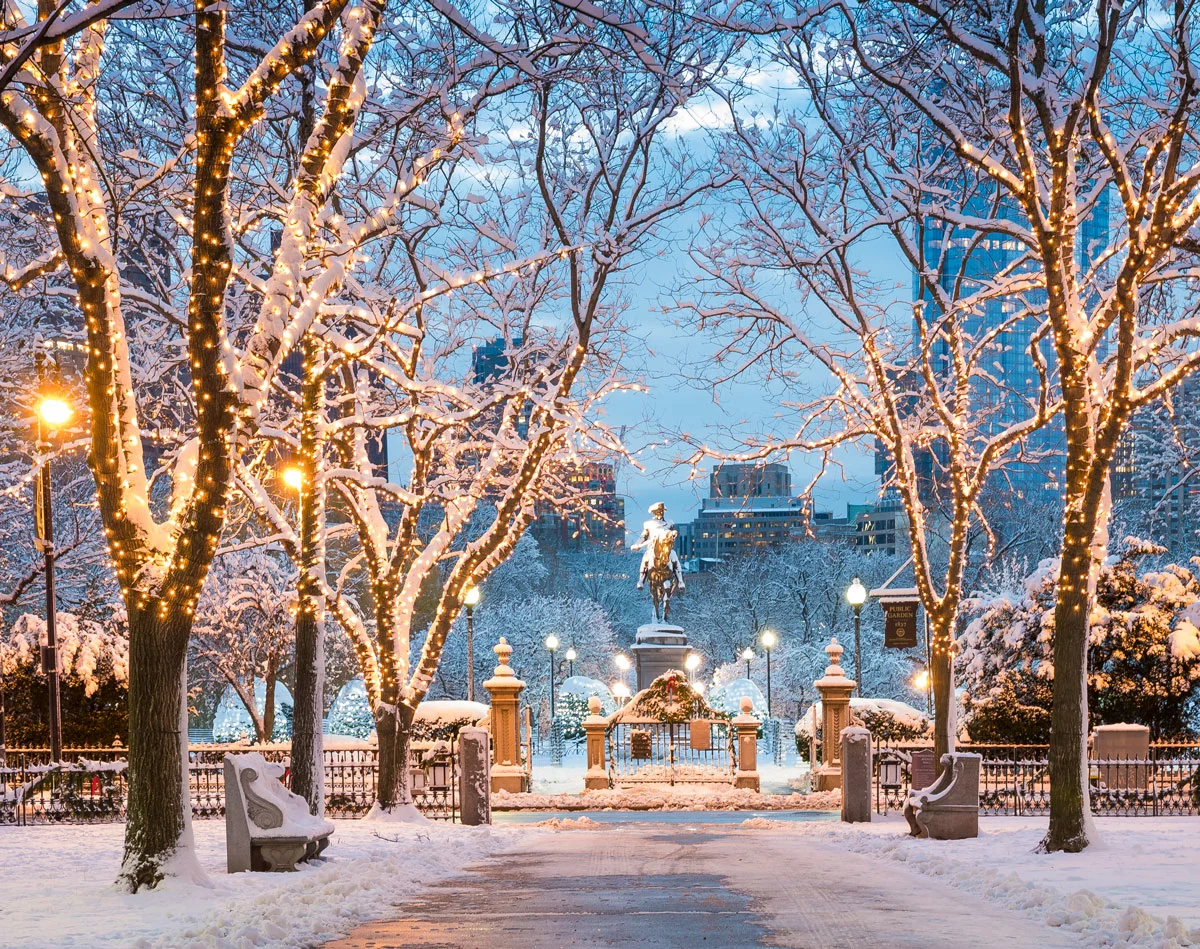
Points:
(660, 647)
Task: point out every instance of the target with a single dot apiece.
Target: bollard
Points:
(856, 775)
(474, 776)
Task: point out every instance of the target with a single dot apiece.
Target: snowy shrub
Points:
(1143, 651)
(442, 720)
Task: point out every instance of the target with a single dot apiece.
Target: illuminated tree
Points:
(1067, 109)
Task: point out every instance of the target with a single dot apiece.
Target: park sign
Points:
(900, 623)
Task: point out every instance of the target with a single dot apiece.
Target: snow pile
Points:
(570, 823)
(1137, 888)
(762, 823)
(57, 886)
(681, 797)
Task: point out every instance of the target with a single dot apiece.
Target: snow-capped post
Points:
(595, 727)
(508, 774)
(835, 691)
(474, 783)
(746, 727)
(856, 775)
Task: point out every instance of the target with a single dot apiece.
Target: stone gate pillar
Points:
(504, 688)
(595, 727)
(835, 691)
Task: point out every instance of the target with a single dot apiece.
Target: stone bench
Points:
(267, 827)
(949, 808)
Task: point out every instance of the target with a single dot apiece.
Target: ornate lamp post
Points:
(621, 661)
(747, 654)
(552, 646)
(856, 596)
(53, 412)
(571, 657)
(470, 601)
(692, 663)
(769, 641)
(620, 692)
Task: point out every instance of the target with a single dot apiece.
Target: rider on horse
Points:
(660, 563)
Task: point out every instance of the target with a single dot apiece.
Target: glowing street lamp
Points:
(621, 692)
(856, 596)
(571, 657)
(470, 601)
(53, 412)
(769, 640)
(552, 645)
(692, 663)
(293, 477)
(747, 654)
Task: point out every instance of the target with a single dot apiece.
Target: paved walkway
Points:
(656, 887)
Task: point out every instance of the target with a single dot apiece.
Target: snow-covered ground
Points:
(1140, 886)
(56, 886)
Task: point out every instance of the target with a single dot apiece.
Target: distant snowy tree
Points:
(244, 634)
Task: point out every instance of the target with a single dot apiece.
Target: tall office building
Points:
(595, 515)
(749, 507)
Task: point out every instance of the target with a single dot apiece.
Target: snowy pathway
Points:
(649, 886)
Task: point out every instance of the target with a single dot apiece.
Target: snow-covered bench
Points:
(267, 827)
(949, 808)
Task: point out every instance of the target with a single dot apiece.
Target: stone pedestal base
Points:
(660, 647)
(510, 778)
(829, 779)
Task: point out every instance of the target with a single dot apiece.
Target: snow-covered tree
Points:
(94, 655)
(1143, 651)
(82, 110)
(563, 201)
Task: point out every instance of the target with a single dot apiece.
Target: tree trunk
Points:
(268, 715)
(395, 737)
(1070, 807)
(941, 671)
(158, 817)
(308, 765)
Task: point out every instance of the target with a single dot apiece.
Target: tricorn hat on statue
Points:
(658, 508)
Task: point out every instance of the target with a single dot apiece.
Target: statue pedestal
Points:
(660, 647)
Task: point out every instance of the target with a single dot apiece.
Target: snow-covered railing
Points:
(90, 791)
(1015, 780)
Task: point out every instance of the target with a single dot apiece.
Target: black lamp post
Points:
(470, 601)
(747, 654)
(856, 596)
(769, 640)
(552, 646)
(52, 413)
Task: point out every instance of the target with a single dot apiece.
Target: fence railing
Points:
(1015, 780)
(89, 790)
(665, 753)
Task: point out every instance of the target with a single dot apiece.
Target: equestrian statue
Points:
(661, 566)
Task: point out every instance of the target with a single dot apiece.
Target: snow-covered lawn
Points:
(56, 886)
(1140, 886)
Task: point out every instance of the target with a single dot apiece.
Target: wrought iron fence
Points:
(701, 750)
(1015, 780)
(93, 791)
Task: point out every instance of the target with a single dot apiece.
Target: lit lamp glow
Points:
(571, 657)
(293, 477)
(470, 601)
(856, 596)
(54, 411)
(747, 654)
(692, 663)
(769, 641)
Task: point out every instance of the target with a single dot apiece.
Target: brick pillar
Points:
(746, 726)
(504, 688)
(595, 726)
(835, 691)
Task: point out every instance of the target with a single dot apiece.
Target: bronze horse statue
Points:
(664, 572)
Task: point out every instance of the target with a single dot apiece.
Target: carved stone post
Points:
(856, 775)
(835, 691)
(504, 688)
(595, 726)
(746, 726)
(474, 788)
